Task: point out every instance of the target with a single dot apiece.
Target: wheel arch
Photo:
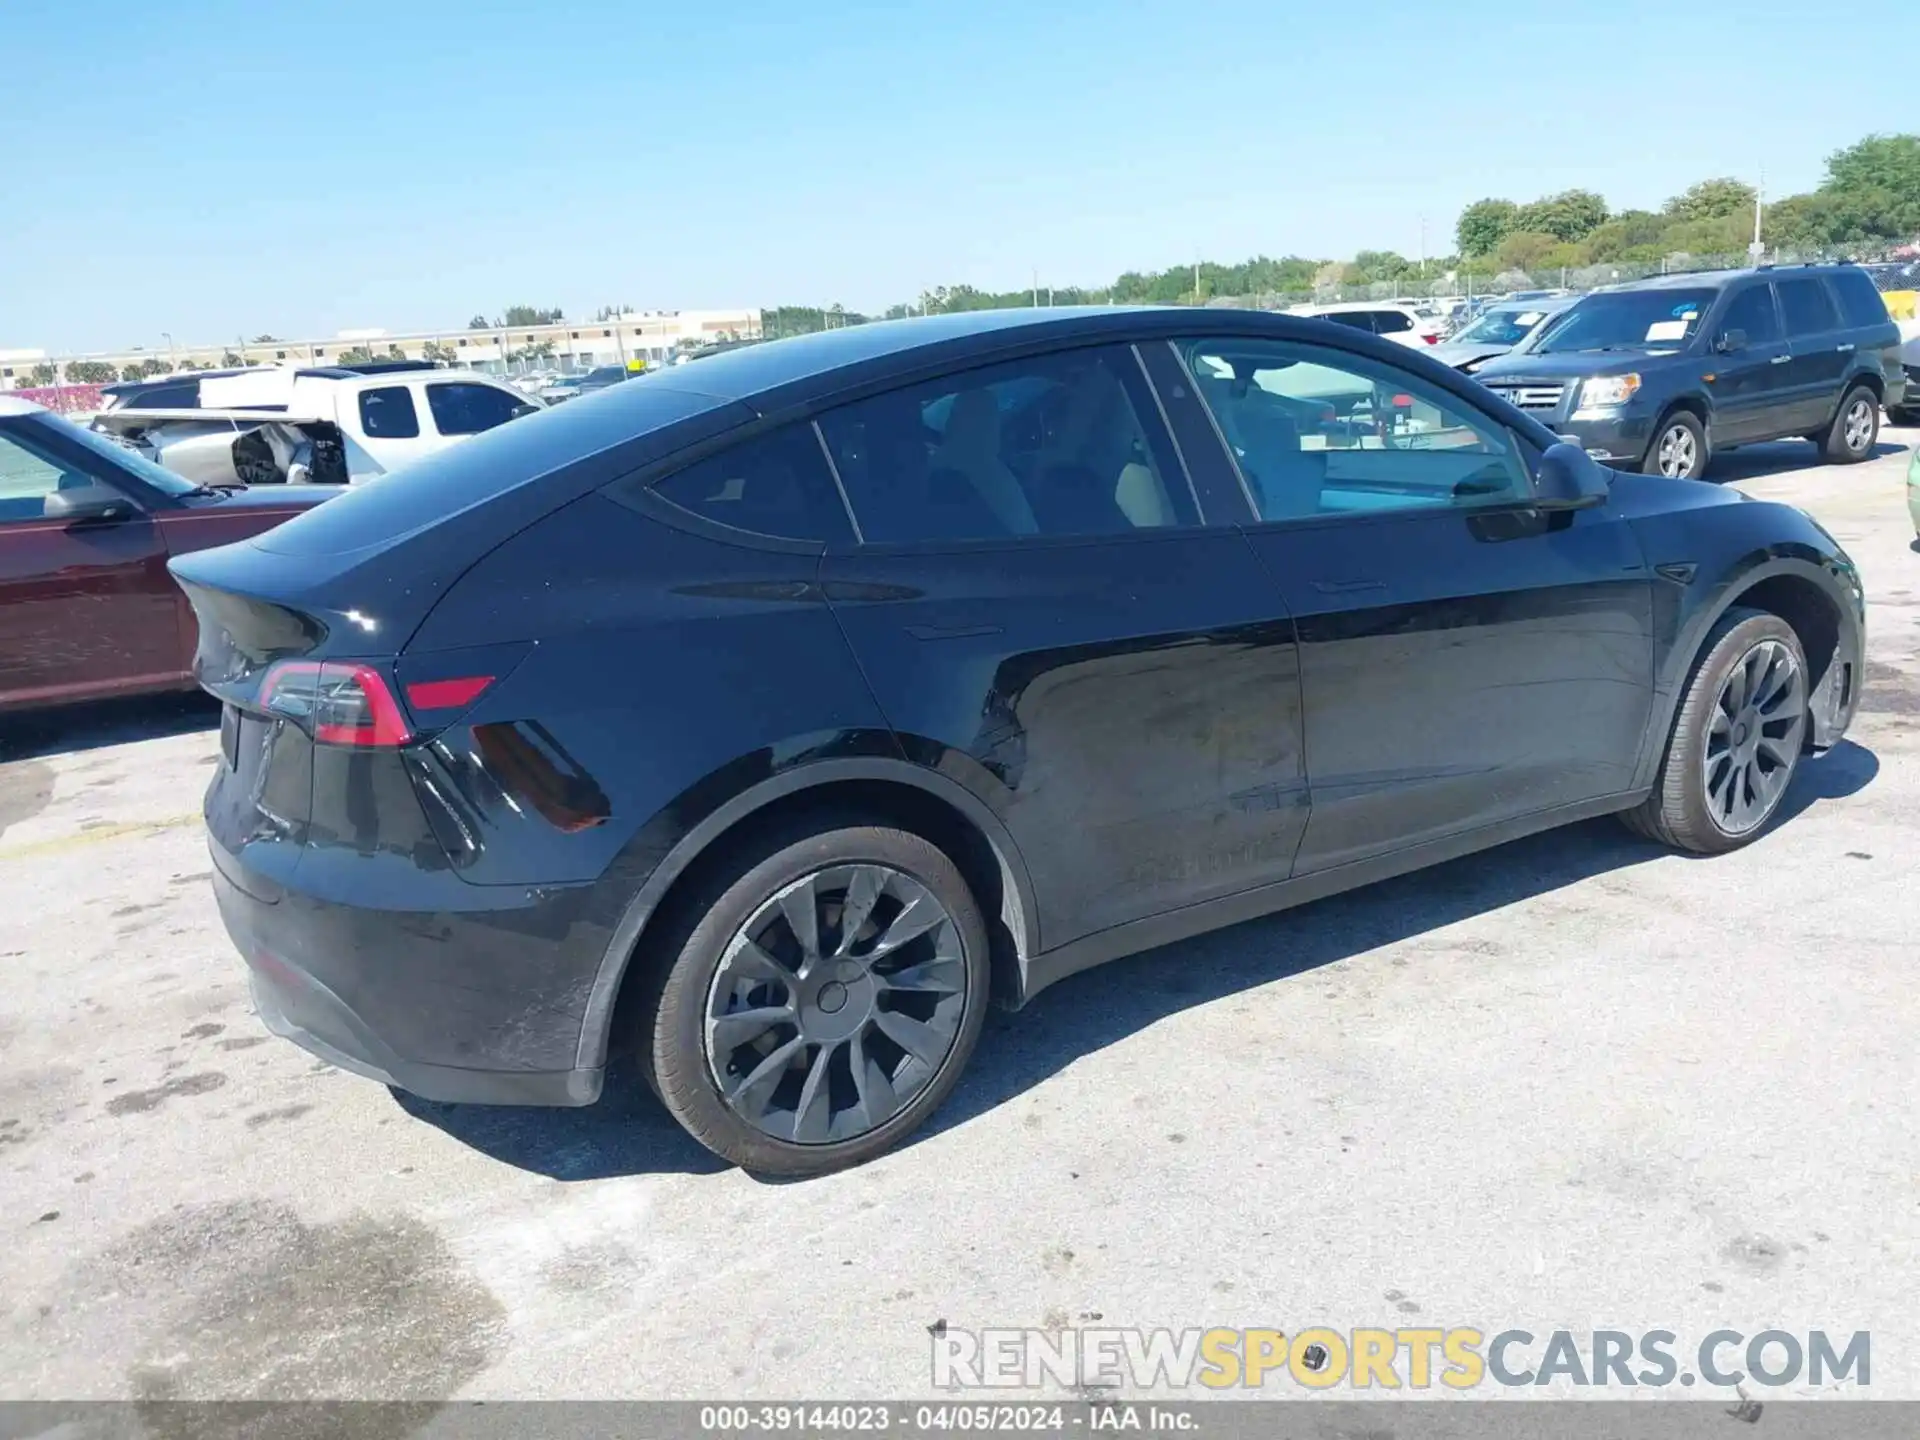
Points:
(1804, 592)
(926, 802)
(1695, 404)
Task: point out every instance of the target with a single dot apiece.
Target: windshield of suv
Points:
(1626, 320)
(1501, 327)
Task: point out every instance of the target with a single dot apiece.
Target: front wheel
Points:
(1679, 448)
(1856, 426)
(824, 1003)
(1736, 738)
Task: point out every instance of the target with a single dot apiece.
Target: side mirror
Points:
(521, 410)
(90, 502)
(1731, 341)
(1569, 479)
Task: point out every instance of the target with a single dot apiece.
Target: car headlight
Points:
(1605, 392)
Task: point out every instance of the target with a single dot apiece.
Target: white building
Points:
(652, 336)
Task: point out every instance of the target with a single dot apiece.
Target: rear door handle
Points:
(1347, 587)
(950, 632)
(1844, 349)
(1780, 359)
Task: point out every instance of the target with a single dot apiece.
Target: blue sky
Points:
(206, 167)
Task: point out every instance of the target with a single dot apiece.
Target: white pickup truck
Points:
(314, 425)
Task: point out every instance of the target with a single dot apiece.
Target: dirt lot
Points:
(1575, 1082)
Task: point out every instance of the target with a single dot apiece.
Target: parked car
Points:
(1906, 410)
(602, 376)
(769, 716)
(321, 425)
(1660, 374)
(1913, 489)
(1497, 330)
(87, 608)
(564, 388)
(1398, 322)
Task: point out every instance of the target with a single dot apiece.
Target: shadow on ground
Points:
(68, 729)
(1779, 457)
(629, 1132)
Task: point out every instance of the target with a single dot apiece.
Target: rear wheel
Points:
(824, 1003)
(1736, 738)
(1679, 448)
(1856, 426)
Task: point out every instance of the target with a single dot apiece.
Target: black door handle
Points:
(950, 632)
(1347, 587)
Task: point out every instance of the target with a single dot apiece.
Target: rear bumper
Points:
(436, 1005)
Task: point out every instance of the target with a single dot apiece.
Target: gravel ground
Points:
(1572, 1083)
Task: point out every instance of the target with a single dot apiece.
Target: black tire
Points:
(673, 1023)
(1903, 415)
(1677, 812)
(1688, 424)
(1859, 407)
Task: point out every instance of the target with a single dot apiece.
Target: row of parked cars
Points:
(1664, 373)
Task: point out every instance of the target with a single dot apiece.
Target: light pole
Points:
(169, 339)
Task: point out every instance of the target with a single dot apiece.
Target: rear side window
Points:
(1061, 444)
(1807, 306)
(777, 484)
(1391, 322)
(1352, 319)
(1860, 303)
(388, 413)
(1752, 311)
(467, 409)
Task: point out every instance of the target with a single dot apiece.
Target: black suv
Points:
(768, 715)
(1660, 374)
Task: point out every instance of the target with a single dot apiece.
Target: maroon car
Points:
(87, 608)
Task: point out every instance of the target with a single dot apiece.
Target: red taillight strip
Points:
(446, 694)
(389, 727)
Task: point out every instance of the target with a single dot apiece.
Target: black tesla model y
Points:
(772, 714)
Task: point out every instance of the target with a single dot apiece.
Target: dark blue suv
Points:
(1660, 374)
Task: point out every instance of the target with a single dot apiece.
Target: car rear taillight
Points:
(1431, 337)
(447, 694)
(336, 702)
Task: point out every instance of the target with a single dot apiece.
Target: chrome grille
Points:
(1530, 397)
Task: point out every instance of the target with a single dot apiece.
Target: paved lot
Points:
(1575, 1082)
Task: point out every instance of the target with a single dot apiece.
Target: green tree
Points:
(440, 354)
(1879, 177)
(1527, 250)
(1570, 215)
(1483, 225)
(479, 322)
(43, 374)
(231, 361)
(1628, 230)
(1801, 222)
(1713, 200)
(90, 372)
(355, 355)
(265, 339)
(520, 315)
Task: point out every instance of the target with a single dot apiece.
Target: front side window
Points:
(1319, 432)
(1391, 322)
(1752, 311)
(777, 484)
(1659, 319)
(467, 409)
(1059, 444)
(388, 413)
(1807, 306)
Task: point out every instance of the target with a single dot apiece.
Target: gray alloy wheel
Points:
(1754, 735)
(1737, 738)
(1856, 426)
(1678, 449)
(835, 1003)
(818, 996)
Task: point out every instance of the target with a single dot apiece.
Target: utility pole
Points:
(1423, 247)
(1757, 251)
(1036, 288)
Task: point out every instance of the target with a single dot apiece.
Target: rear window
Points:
(777, 485)
(1860, 303)
(1390, 322)
(463, 476)
(463, 408)
(388, 413)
